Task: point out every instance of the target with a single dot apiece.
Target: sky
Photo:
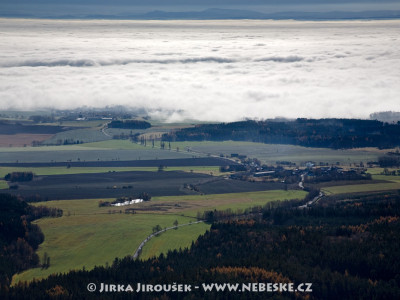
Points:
(80, 8)
(202, 70)
(195, 2)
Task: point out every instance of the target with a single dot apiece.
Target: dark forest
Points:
(326, 133)
(346, 249)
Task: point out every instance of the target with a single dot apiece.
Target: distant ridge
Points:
(225, 14)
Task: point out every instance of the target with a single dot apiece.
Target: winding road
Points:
(142, 244)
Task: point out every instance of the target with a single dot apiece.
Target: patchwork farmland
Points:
(184, 179)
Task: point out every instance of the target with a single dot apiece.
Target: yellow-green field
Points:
(270, 153)
(267, 153)
(173, 239)
(387, 178)
(359, 188)
(89, 235)
(77, 241)
(49, 148)
(116, 144)
(86, 170)
(3, 184)
(191, 204)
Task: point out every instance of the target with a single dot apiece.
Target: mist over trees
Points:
(386, 116)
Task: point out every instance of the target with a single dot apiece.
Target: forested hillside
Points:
(19, 238)
(346, 249)
(329, 133)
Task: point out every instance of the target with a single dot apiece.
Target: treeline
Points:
(19, 176)
(319, 176)
(389, 161)
(42, 119)
(19, 238)
(346, 249)
(129, 124)
(329, 133)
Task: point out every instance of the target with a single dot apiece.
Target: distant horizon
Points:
(257, 12)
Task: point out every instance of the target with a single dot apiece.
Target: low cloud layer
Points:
(204, 70)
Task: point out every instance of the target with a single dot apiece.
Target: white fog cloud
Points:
(205, 70)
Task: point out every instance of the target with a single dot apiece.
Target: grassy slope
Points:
(191, 204)
(78, 241)
(85, 170)
(48, 148)
(116, 144)
(267, 153)
(104, 151)
(3, 184)
(88, 235)
(271, 153)
(173, 239)
(393, 183)
(358, 188)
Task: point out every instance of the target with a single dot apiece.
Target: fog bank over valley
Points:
(203, 70)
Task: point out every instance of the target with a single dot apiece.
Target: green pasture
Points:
(88, 235)
(77, 241)
(47, 148)
(270, 153)
(85, 135)
(86, 170)
(3, 184)
(387, 178)
(83, 123)
(116, 144)
(377, 174)
(126, 150)
(76, 153)
(359, 188)
(376, 171)
(190, 205)
(173, 239)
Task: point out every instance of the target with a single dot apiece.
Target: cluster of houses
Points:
(251, 170)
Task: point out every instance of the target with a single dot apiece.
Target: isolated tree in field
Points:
(145, 196)
(45, 261)
(176, 224)
(157, 228)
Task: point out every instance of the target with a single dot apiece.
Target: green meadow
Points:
(389, 182)
(190, 205)
(117, 144)
(271, 153)
(173, 239)
(45, 171)
(3, 184)
(88, 235)
(359, 188)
